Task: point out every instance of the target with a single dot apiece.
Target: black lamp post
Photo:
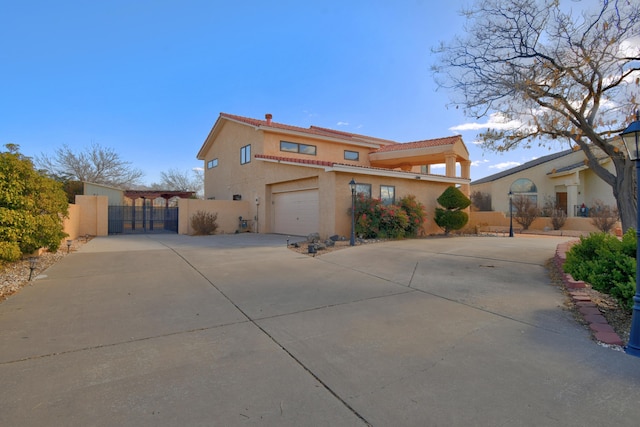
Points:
(69, 242)
(630, 138)
(33, 261)
(352, 185)
(510, 213)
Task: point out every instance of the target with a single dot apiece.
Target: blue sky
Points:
(149, 78)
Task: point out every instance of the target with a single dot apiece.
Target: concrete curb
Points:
(600, 329)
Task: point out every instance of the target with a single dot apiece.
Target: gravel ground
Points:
(15, 275)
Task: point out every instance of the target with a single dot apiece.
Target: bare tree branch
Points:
(95, 164)
(563, 77)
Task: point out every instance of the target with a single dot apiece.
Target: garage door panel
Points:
(296, 212)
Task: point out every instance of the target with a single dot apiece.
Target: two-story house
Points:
(297, 179)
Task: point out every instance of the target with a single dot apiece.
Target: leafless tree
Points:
(96, 164)
(177, 180)
(603, 217)
(525, 210)
(546, 73)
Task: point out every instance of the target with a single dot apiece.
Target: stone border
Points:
(598, 325)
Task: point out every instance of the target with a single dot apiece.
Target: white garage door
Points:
(296, 212)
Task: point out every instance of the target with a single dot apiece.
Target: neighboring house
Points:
(297, 179)
(563, 178)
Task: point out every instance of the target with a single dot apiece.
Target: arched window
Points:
(523, 185)
(526, 188)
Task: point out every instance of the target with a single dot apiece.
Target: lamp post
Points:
(33, 261)
(69, 242)
(352, 185)
(630, 138)
(510, 213)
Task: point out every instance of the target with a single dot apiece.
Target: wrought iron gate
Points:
(142, 219)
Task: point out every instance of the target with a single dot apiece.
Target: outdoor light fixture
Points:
(510, 213)
(33, 262)
(352, 186)
(630, 138)
(69, 242)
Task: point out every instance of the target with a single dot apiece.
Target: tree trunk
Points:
(625, 193)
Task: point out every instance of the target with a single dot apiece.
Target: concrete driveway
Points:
(166, 330)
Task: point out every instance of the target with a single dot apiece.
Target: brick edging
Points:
(600, 329)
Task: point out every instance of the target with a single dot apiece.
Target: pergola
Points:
(153, 194)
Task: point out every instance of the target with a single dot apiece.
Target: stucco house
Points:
(562, 177)
(297, 179)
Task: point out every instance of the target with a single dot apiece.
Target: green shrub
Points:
(32, 206)
(606, 263)
(452, 217)
(453, 199)
(9, 251)
(450, 220)
(204, 223)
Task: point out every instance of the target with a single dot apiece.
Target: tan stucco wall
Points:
(325, 150)
(71, 225)
(94, 215)
(500, 219)
(228, 212)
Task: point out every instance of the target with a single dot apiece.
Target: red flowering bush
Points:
(374, 219)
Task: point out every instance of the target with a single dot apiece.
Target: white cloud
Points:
(496, 121)
(479, 162)
(438, 166)
(504, 165)
(343, 123)
(197, 169)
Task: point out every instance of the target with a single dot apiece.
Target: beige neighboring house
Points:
(562, 177)
(297, 179)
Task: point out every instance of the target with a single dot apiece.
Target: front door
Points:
(561, 201)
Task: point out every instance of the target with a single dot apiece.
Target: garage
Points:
(296, 212)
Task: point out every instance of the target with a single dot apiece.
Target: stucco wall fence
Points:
(492, 221)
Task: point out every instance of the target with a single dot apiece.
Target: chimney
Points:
(268, 117)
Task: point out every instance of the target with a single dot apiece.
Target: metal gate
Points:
(142, 219)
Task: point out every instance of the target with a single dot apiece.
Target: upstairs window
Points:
(351, 155)
(212, 163)
(245, 154)
(294, 147)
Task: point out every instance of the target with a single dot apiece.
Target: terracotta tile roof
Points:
(331, 164)
(314, 130)
(292, 160)
(427, 143)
